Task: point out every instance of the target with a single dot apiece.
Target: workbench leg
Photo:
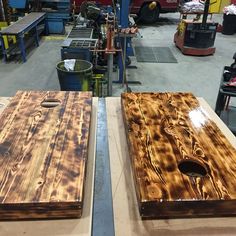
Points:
(36, 36)
(4, 52)
(46, 28)
(22, 48)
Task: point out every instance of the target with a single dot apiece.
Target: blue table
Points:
(20, 28)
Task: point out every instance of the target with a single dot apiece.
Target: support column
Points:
(124, 23)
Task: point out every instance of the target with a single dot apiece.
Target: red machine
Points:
(141, 8)
(196, 38)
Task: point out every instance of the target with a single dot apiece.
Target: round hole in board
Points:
(50, 103)
(192, 168)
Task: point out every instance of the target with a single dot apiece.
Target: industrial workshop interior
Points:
(117, 117)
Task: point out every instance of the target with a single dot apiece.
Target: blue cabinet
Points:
(19, 4)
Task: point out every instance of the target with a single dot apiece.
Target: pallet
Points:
(183, 166)
(43, 155)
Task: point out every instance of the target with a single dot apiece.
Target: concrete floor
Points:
(199, 75)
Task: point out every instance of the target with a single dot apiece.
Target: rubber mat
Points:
(155, 55)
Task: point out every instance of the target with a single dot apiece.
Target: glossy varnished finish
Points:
(43, 154)
(165, 130)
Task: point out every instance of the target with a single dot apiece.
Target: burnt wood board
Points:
(43, 154)
(183, 166)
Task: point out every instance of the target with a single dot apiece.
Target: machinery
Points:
(227, 90)
(18, 4)
(4, 13)
(101, 36)
(196, 37)
(141, 8)
(58, 12)
(90, 39)
(233, 65)
(78, 44)
(4, 21)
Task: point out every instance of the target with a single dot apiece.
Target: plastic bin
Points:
(78, 80)
(229, 24)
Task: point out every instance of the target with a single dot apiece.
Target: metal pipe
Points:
(124, 60)
(2, 10)
(110, 73)
(7, 10)
(205, 14)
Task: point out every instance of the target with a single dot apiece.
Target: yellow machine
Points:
(217, 6)
(7, 39)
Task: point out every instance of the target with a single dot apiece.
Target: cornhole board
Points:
(44, 139)
(183, 166)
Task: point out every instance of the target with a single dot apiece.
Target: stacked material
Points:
(230, 10)
(192, 7)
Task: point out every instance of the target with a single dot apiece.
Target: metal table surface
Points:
(23, 24)
(81, 43)
(19, 28)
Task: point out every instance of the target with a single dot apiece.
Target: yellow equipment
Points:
(152, 5)
(6, 39)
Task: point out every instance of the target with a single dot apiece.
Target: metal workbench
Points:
(20, 28)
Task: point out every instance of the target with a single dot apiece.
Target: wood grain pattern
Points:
(165, 130)
(43, 154)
